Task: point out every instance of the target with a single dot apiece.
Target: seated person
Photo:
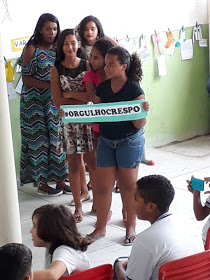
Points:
(163, 241)
(201, 211)
(15, 262)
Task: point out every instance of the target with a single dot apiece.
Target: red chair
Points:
(102, 272)
(194, 267)
(207, 244)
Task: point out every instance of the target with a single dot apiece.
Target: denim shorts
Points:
(126, 152)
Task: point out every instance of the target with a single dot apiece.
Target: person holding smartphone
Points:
(200, 211)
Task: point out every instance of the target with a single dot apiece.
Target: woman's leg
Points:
(105, 179)
(127, 178)
(90, 159)
(84, 189)
(75, 163)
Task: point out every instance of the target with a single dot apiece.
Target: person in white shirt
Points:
(54, 228)
(201, 211)
(163, 241)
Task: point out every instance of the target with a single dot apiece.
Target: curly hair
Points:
(57, 225)
(103, 45)
(134, 68)
(156, 189)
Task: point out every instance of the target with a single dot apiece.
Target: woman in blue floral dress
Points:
(40, 161)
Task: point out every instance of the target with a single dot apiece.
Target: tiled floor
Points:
(177, 162)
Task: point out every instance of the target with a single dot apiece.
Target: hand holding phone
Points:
(197, 184)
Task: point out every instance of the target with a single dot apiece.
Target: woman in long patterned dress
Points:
(40, 161)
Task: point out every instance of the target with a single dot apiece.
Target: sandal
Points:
(78, 217)
(129, 240)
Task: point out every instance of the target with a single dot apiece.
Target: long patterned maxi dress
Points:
(40, 161)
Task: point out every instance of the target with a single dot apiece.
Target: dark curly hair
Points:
(156, 189)
(134, 67)
(57, 225)
(103, 45)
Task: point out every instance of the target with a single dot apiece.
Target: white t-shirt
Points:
(74, 260)
(160, 243)
(207, 224)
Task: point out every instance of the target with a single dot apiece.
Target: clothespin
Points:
(127, 38)
(197, 33)
(141, 38)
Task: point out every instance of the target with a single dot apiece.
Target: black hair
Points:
(15, 261)
(103, 45)
(57, 225)
(156, 189)
(59, 52)
(82, 26)
(134, 67)
(36, 38)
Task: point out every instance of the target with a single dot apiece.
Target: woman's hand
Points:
(146, 106)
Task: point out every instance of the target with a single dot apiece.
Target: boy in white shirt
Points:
(162, 241)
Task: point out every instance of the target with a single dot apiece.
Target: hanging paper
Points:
(19, 85)
(127, 43)
(11, 92)
(203, 43)
(159, 55)
(170, 44)
(181, 37)
(197, 34)
(187, 49)
(143, 51)
(161, 65)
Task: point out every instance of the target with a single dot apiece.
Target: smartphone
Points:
(197, 184)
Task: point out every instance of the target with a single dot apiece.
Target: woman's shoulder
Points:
(105, 83)
(135, 86)
(28, 53)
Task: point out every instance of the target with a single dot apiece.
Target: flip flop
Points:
(129, 240)
(94, 238)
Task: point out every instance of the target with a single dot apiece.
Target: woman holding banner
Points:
(121, 144)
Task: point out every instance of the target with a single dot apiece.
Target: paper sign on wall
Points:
(187, 49)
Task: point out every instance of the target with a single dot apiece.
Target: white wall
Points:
(118, 17)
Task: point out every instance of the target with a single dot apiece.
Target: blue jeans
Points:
(126, 152)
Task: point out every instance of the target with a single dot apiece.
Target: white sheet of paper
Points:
(161, 65)
(144, 54)
(203, 43)
(170, 50)
(187, 49)
(11, 92)
(19, 86)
